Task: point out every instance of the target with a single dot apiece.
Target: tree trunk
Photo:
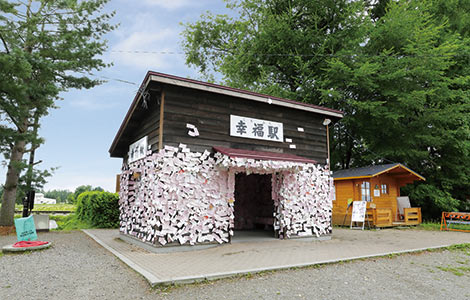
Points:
(11, 184)
(34, 146)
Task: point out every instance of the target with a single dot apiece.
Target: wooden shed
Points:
(201, 160)
(379, 185)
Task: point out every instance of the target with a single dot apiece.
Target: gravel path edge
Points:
(155, 281)
(152, 279)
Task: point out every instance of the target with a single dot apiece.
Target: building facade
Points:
(202, 160)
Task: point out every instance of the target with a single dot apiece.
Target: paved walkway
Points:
(250, 257)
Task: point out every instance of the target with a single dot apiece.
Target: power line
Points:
(298, 55)
(147, 52)
(116, 79)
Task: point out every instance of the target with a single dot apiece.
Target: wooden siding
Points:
(145, 123)
(351, 189)
(210, 113)
(344, 191)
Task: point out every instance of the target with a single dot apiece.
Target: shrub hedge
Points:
(100, 209)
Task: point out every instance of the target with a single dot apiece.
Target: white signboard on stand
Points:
(359, 213)
(256, 129)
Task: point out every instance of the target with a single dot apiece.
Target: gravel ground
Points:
(78, 268)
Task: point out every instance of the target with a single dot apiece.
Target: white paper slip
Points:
(288, 140)
(300, 129)
(292, 147)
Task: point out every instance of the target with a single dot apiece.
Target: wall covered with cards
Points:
(179, 196)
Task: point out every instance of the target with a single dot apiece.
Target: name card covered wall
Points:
(188, 197)
(256, 129)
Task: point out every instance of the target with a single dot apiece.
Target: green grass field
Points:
(69, 222)
(436, 226)
(50, 207)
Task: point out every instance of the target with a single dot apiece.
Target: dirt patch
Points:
(7, 230)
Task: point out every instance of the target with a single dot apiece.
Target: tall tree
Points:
(398, 69)
(46, 47)
(275, 46)
(407, 89)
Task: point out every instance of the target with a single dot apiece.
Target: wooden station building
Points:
(379, 185)
(201, 160)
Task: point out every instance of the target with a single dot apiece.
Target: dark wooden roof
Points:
(219, 88)
(263, 155)
(213, 88)
(371, 171)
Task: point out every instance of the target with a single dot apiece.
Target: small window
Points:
(384, 188)
(333, 193)
(365, 191)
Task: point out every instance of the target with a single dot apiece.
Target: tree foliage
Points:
(409, 101)
(399, 70)
(46, 47)
(73, 197)
(276, 46)
(37, 180)
(60, 195)
(99, 209)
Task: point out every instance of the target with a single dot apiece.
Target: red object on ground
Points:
(26, 244)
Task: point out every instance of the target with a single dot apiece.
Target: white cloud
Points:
(147, 42)
(102, 97)
(172, 4)
(147, 49)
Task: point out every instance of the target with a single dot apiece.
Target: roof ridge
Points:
(215, 85)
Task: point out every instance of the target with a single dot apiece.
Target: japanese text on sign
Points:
(256, 129)
(138, 150)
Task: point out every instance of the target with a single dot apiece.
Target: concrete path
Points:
(250, 257)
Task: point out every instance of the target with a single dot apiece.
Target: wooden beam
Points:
(160, 129)
(328, 146)
(118, 183)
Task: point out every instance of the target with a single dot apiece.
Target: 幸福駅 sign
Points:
(256, 129)
(138, 150)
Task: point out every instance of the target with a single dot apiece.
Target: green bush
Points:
(70, 222)
(100, 209)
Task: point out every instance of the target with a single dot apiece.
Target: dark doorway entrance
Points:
(254, 206)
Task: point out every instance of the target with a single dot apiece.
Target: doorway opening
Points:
(254, 206)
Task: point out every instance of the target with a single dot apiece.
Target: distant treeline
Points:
(65, 196)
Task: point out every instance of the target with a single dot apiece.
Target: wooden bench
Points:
(382, 217)
(412, 215)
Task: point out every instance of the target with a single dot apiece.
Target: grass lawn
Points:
(64, 222)
(50, 207)
(69, 222)
(436, 226)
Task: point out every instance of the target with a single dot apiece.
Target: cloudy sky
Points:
(79, 133)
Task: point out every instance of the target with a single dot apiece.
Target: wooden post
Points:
(160, 129)
(327, 122)
(118, 183)
(328, 145)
